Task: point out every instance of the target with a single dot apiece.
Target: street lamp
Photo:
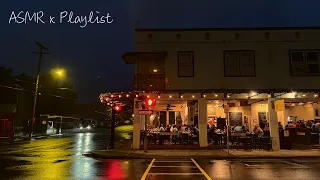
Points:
(59, 73)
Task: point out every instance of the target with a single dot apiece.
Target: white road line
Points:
(147, 170)
(172, 174)
(202, 171)
(173, 166)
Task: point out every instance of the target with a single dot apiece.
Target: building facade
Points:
(196, 73)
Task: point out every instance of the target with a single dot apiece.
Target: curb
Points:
(101, 156)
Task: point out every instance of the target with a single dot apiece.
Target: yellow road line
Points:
(203, 172)
(147, 170)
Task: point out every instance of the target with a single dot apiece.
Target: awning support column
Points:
(202, 122)
(136, 126)
(273, 123)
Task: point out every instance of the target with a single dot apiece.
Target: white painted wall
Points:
(271, 57)
(255, 108)
(305, 112)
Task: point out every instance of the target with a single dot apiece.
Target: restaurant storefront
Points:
(199, 119)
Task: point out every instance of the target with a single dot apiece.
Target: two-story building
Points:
(200, 75)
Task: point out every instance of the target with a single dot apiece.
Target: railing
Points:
(149, 82)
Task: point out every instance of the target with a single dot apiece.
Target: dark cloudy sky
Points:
(96, 49)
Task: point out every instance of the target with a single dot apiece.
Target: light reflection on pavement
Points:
(62, 158)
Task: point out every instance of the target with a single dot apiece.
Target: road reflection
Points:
(89, 168)
(62, 158)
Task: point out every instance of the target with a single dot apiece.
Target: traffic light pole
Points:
(145, 142)
(113, 126)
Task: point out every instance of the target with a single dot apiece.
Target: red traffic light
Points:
(151, 101)
(117, 108)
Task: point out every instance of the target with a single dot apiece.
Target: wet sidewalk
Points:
(203, 154)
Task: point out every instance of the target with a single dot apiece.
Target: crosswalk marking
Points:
(173, 166)
(174, 161)
(170, 174)
(191, 165)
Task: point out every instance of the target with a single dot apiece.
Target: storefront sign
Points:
(235, 118)
(280, 105)
(301, 133)
(286, 133)
(145, 112)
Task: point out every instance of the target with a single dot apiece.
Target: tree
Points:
(57, 97)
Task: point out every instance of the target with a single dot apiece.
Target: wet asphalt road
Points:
(62, 158)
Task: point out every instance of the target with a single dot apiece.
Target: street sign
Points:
(279, 104)
(145, 112)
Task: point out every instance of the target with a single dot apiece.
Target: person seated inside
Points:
(167, 128)
(258, 131)
(237, 128)
(212, 129)
(302, 125)
(245, 129)
(161, 129)
(280, 125)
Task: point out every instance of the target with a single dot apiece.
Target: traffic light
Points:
(117, 108)
(151, 101)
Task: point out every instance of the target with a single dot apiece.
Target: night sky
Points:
(96, 50)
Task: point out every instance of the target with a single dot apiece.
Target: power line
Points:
(20, 89)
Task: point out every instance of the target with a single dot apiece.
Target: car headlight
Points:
(81, 127)
(89, 127)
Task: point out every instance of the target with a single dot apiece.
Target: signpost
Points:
(226, 111)
(146, 112)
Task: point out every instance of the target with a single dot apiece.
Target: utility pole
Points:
(41, 53)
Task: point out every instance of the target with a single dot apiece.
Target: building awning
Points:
(132, 57)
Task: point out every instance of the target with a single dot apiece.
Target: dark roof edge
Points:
(234, 29)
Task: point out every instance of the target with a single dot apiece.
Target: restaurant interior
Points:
(175, 119)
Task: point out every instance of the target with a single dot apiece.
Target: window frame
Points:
(239, 64)
(305, 51)
(192, 56)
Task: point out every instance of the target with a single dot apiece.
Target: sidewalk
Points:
(20, 138)
(204, 154)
